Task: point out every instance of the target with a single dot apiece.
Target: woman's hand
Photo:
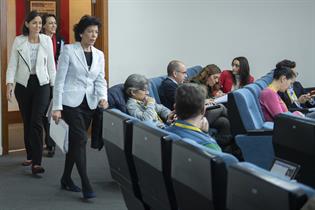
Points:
(219, 93)
(209, 101)
(148, 100)
(103, 104)
(9, 91)
(171, 117)
(56, 115)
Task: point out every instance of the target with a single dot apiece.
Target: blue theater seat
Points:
(117, 136)
(261, 83)
(199, 176)
(152, 149)
(252, 134)
(252, 188)
(294, 140)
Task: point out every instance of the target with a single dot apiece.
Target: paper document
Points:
(60, 134)
(49, 110)
(222, 99)
(311, 109)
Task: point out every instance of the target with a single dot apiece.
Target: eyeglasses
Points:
(182, 72)
(236, 65)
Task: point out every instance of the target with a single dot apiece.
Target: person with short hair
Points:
(80, 88)
(190, 110)
(32, 68)
(218, 117)
(176, 74)
(238, 77)
(140, 105)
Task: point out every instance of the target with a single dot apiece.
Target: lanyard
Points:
(181, 125)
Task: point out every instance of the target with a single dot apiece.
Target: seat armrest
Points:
(303, 110)
(260, 132)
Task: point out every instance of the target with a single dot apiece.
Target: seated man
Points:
(295, 97)
(190, 110)
(142, 106)
(176, 74)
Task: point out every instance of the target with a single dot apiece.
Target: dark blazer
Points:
(59, 46)
(299, 90)
(167, 92)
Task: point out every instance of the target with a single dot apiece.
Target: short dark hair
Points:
(85, 21)
(44, 19)
(33, 14)
(286, 63)
(190, 100)
(173, 66)
(283, 71)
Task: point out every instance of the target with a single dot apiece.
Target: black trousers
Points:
(32, 101)
(48, 140)
(218, 119)
(78, 119)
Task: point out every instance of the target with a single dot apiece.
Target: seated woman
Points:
(296, 98)
(270, 101)
(238, 77)
(190, 108)
(142, 106)
(217, 118)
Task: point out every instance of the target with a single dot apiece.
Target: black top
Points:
(88, 57)
(167, 92)
(299, 90)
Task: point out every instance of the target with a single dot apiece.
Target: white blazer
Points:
(19, 67)
(74, 80)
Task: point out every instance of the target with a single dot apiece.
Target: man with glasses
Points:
(295, 97)
(177, 73)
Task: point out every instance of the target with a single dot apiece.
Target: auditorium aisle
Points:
(21, 190)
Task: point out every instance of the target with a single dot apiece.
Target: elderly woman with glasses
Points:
(141, 105)
(238, 77)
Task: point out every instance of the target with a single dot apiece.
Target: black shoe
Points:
(88, 195)
(69, 187)
(37, 169)
(51, 152)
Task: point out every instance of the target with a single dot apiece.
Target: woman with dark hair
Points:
(296, 98)
(217, 118)
(79, 88)
(32, 68)
(238, 77)
(270, 101)
(50, 29)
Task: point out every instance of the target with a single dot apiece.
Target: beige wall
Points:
(78, 8)
(12, 106)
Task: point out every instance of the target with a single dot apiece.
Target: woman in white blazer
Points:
(32, 68)
(79, 88)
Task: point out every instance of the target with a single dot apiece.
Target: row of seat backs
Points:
(117, 98)
(163, 171)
